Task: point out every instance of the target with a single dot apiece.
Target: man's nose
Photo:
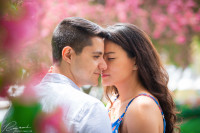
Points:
(102, 65)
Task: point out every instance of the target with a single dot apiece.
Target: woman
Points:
(143, 103)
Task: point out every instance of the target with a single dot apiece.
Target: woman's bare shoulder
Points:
(142, 115)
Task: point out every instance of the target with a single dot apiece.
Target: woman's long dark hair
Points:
(151, 72)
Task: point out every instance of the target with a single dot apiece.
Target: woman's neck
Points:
(129, 88)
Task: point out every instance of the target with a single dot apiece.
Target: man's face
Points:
(88, 65)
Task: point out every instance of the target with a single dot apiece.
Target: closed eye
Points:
(111, 59)
(96, 57)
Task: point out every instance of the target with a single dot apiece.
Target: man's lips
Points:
(104, 75)
(97, 73)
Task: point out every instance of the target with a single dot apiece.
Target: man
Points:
(77, 47)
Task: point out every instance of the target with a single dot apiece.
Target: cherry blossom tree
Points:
(26, 27)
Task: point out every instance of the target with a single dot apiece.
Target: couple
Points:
(131, 70)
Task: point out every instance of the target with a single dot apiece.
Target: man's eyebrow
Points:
(109, 53)
(97, 52)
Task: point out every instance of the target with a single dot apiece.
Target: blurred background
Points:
(26, 28)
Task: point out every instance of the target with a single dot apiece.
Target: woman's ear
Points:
(135, 67)
(67, 53)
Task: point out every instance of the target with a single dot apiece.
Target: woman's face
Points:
(119, 66)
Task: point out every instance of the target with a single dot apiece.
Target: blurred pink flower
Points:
(181, 39)
(163, 2)
(4, 90)
(196, 28)
(111, 3)
(51, 122)
(156, 34)
(20, 29)
(174, 26)
(172, 9)
(190, 4)
(122, 11)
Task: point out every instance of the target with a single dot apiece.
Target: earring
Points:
(135, 67)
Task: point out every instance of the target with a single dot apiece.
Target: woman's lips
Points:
(104, 75)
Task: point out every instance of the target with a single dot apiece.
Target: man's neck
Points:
(64, 70)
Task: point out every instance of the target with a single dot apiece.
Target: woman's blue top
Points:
(117, 123)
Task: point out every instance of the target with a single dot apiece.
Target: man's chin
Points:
(95, 83)
(91, 84)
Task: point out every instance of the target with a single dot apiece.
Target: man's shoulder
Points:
(85, 102)
(65, 94)
(87, 98)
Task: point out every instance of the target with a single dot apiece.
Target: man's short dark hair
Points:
(74, 32)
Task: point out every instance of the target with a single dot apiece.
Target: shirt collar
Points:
(59, 78)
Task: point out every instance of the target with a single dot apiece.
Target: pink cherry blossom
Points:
(181, 39)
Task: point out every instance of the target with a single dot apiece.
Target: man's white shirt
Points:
(81, 113)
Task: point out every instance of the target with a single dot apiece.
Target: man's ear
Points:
(67, 53)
